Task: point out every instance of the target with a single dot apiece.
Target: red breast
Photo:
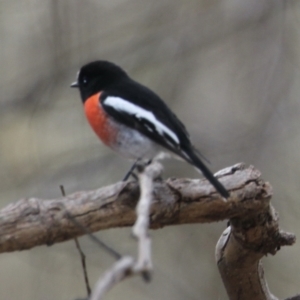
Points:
(99, 120)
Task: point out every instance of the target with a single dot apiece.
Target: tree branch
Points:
(240, 248)
(253, 231)
(32, 222)
(142, 265)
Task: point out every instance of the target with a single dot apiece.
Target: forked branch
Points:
(253, 231)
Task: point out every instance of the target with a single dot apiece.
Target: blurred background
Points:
(229, 69)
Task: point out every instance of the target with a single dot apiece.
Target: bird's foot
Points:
(139, 164)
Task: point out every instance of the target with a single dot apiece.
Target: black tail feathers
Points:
(196, 161)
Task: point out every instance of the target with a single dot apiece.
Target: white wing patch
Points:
(132, 109)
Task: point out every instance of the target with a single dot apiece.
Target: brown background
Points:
(230, 71)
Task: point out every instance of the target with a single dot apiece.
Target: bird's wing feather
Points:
(141, 119)
(143, 110)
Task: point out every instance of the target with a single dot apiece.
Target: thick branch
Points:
(240, 249)
(32, 222)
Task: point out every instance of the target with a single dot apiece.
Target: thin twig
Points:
(101, 244)
(83, 263)
(141, 226)
(127, 266)
(82, 255)
(96, 240)
(114, 275)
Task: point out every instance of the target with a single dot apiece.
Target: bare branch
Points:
(253, 232)
(240, 249)
(141, 226)
(127, 266)
(32, 222)
(117, 273)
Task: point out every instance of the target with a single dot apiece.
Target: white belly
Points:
(132, 144)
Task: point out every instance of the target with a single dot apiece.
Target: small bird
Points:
(133, 120)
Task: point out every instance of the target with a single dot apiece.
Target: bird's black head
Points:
(97, 76)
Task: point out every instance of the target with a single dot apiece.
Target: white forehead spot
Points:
(140, 113)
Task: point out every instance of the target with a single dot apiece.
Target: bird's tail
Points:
(192, 158)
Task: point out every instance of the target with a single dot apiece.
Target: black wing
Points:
(147, 113)
(138, 107)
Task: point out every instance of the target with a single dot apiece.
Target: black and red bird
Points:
(132, 120)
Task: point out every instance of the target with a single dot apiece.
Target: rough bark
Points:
(32, 222)
(239, 252)
(253, 231)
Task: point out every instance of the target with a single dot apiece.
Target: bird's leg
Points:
(130, 172)
(134, 166)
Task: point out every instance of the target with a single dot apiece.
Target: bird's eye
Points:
(84, 80)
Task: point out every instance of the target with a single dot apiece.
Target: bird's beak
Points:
(74, 84)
